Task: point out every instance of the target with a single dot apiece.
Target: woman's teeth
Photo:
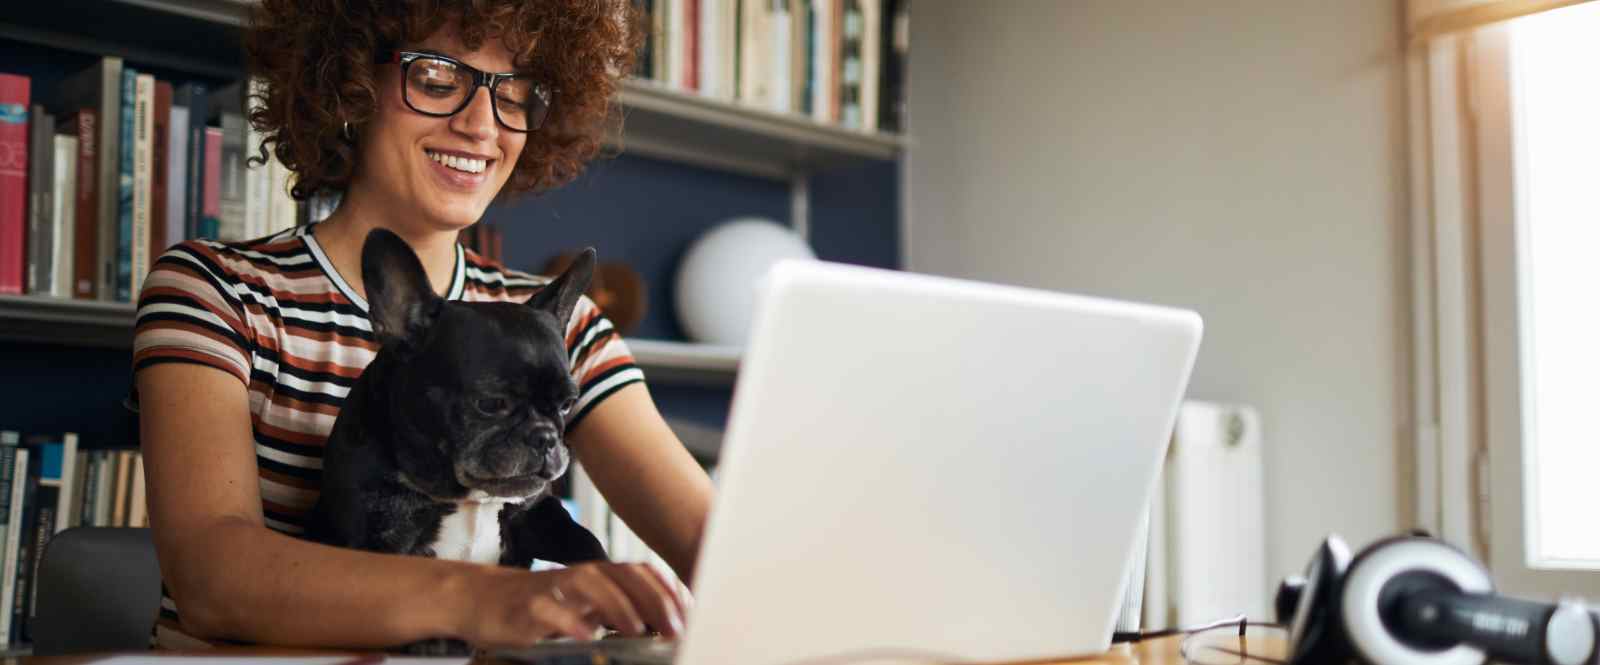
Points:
(459, 163)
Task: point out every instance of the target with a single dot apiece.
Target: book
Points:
(86, 222)
(852, 41)
(27, 538)
(98, 89)
(105, 486)
(233, 220)
(160, 143)
(8, 474)
(126, 155)
(119, 499)
(802, 23)
(871, 57)
(691, 48)
(41, 200)
(91, 486)
(210, 221)
(14, 552)
(143, 182)
(137, 510)
(195, 98)
(177, 158)
(66, 473)
(14, 98)
(661, 55)
(822, 45)
(896, 52)
(79, 483)
(780, 54)
(63, 218)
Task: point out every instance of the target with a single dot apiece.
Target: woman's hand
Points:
(510, 608)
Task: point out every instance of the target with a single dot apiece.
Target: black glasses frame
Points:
(480, 78)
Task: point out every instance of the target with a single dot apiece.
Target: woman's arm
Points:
(646, 474)
(233, 578)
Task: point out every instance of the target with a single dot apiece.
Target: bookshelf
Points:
(110, 325)
(201, 37)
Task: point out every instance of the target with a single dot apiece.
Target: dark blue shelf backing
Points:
(48, 389)
(646, 213)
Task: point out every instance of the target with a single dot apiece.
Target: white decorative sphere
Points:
(722, 271)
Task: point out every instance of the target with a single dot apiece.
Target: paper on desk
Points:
(276, 660)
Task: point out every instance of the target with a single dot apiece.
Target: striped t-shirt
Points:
(275, 314)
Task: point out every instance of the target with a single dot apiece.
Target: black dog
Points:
(448, 443)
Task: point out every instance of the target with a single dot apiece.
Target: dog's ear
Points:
(561, 294)
(400, 300)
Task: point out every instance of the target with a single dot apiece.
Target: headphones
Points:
(1418, 600)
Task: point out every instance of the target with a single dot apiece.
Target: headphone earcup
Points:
(1386, 569)
(1314, 630)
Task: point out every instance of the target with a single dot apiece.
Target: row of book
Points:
(47, 485)
(108, 169)
(841, 62)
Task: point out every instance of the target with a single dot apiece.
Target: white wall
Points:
(1244, 159)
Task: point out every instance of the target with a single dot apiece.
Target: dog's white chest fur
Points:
(471, 533)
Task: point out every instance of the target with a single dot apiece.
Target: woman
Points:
(244, 351)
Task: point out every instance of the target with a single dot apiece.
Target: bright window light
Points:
(1555, 61)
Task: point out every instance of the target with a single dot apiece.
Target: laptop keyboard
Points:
(606, 651)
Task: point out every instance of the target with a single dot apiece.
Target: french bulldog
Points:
(449, 442)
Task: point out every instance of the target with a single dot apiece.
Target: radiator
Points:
(1207, 537)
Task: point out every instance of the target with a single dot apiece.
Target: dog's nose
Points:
(545, 438)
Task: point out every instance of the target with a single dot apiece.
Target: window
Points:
(1538, 140)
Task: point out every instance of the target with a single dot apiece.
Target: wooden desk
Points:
(1153, 652)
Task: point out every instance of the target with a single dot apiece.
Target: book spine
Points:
(8, 479)
(691, 26)
(138, 510)
(41, 168)
(69, 483)
(15, 515)
(119, 499)
(43, 529)
(126, 155)
(91, 487)
(14, 97)
(160, 143)
(105, 471)
(177, 176)
(86, 238)
(234, 222)
(211, 201)
(26, 533)
(63, 218)
(199, 105)
(143, 199)
(110, 176)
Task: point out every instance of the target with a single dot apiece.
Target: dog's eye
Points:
(567, 405)
(493, 406)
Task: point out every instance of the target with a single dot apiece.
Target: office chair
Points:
(99, 589)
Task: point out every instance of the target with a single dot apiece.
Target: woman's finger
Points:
(553, 616)
(651, 596)
(602, 595)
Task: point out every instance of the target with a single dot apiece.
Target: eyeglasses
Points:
(440, 86)
(1233, 641)
(1236, 643)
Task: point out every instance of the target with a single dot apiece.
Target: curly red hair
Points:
(315, 61)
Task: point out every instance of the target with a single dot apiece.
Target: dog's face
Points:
(477, 393)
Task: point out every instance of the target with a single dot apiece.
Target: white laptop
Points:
(924, 466)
